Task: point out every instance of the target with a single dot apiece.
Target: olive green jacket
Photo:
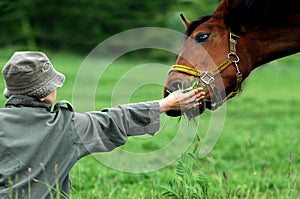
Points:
(38, 147)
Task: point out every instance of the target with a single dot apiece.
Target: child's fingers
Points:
(200, 95)
(193, 92)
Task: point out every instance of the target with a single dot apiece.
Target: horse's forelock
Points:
(194, 24)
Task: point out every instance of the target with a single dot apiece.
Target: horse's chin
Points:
(174, 113)
(191, 113)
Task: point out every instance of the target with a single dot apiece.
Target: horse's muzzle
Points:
(190, 113)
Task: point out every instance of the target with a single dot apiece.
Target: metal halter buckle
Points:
(207, 78)
(233, 57)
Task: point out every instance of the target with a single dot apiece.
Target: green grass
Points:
(256, 156)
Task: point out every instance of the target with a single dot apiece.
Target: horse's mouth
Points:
(186, 86)
(190, 113)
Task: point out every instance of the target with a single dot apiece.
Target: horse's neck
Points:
(272, 43)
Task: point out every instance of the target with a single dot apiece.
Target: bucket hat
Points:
(32, 74)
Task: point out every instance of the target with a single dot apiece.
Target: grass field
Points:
(256, 156)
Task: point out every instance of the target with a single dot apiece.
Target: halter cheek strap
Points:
(208, 77)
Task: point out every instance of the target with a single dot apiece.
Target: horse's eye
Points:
(201, 37)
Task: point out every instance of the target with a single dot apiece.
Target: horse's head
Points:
(209, 56)
(214, 55)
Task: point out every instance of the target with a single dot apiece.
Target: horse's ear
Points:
(185, 21)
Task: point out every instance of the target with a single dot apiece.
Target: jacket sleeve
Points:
(104, 130)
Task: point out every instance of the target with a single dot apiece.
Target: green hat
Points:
(31, 74)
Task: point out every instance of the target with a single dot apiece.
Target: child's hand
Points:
(182, 101)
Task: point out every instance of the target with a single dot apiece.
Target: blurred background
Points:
(78, 26)
(257, 155)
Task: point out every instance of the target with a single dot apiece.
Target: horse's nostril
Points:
(175, 86)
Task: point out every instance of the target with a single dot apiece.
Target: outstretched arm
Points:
(104, 130)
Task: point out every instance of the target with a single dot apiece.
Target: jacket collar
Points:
(26, 101)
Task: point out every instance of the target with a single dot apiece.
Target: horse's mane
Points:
(255, 13)
(252, 13)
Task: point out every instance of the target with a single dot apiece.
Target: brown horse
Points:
(222, 49)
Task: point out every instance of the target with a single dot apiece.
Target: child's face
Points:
(51, 97)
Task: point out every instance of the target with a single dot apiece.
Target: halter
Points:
(208, 77)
